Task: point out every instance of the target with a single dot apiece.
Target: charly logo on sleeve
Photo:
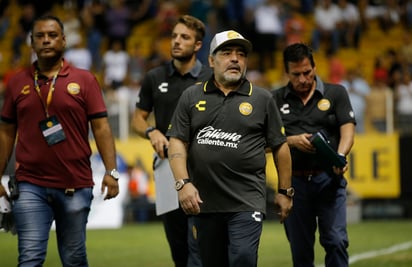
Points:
(217, 137)
(163, 87)
(285, 109)
(201, 105)
(25, 90)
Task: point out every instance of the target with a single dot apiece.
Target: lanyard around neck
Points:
(49, 94)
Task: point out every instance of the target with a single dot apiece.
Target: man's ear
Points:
(64, 41)
(211, 61)
(198, 45)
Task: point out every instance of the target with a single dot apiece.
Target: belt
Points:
(305, 173)
(69, 192)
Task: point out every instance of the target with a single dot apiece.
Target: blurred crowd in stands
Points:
(103, 36)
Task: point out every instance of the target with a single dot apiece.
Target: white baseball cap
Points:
(229, 37)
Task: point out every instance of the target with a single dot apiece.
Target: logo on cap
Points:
(233, 34)
(227, 37)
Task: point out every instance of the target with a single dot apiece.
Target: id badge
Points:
(52, 130)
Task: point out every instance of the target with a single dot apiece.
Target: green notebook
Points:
(328, 155)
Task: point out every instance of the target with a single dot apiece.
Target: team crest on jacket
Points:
(324, 104)
(245, 108)
(73, 88)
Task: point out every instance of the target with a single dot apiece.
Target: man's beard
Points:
(233, 80)
(183, 58)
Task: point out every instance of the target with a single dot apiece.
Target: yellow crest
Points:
(245, 108)
(232, 35)
(73, 88)
(323, 104)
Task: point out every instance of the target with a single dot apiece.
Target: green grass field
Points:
(144, 245)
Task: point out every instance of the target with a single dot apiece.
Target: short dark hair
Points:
(48, 17)
(296, 53)
(194, 24)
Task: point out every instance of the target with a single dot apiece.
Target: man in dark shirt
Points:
(161, 89)
(218, 136)
(307, 105)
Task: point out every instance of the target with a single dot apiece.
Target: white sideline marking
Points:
(379, 252)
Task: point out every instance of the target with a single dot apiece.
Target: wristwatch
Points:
(114, 174)
(290, 192)
(148, 130)
(180, 183)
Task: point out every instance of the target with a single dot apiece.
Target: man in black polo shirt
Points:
(160, 91)
(218, 136)
(307, 105)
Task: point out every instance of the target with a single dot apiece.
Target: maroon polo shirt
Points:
(77, 98)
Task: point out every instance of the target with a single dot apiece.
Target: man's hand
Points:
(283, 206)
(340, 171)
(159, 142)
(111, 185)
(301, 142)
(189, 199)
